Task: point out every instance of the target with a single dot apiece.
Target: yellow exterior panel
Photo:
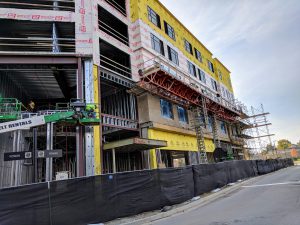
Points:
(226, 79)
(209, 145)
(153, 160)
(139, 11)
(97, 133)
(179, 142)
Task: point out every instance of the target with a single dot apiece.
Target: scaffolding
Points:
(160, 78)
(199, 123)
(256, 130)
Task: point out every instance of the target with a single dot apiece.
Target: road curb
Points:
(190, 205)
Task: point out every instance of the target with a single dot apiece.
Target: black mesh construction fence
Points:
(102, 198)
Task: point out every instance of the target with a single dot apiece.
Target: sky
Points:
(259, 42)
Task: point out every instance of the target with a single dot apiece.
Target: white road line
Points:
(274, 184)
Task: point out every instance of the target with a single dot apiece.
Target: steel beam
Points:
(113, 152)
(49, 161)
(80, 171)
(37, 60)
(89, 130)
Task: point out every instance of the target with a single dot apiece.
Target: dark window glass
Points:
(223, 127)
(154, 17)
(220, 75)
(169, 31)
(214, 84)
(210, 66)
(188, 47)
(173, 55)
(166, 109)
(192, 69)
(201, 75)
(157, 44)
(198, 55)
(182, 114)
(210, 123)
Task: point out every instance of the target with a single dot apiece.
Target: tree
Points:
(269, 147)
(283, 144)
(298, 144)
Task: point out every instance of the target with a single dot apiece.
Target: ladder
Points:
(199, 122)
(217, 141)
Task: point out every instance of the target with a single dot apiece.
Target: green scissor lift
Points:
(74, 114)
(10, 109)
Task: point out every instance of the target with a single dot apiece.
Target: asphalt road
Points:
(273, 199)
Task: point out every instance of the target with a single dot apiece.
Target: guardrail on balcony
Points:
(159, 63)
(114, 66)
(114, 33)
(118, 122)
(37, 44)
(63, 5)
(117, 6)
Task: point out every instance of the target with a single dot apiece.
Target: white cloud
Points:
(259, 41)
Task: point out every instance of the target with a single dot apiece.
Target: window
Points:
(154, 17)
(223, 127)
(192, 69)
(220, 75)
(210, 123)
(228, 94)
(201, 75)
(157, 44)
(210, 66)
(198, 55)
(166, 109)
(169, 31)
(182, 114)
(188, 47)
(173, 55)
(223, 92)
(214, 84)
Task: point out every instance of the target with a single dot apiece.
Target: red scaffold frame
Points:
(167, 86)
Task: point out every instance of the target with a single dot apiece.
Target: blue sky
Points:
(259, 41)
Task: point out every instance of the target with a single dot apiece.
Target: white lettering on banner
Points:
(23, 124)
(37, 15)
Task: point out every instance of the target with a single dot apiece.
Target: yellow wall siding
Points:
(226, 80)
(139, 11)
(179, 142)
(97, 133)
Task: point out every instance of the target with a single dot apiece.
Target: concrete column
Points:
(114, 160)
(49, 161)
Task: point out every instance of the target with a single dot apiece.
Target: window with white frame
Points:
(210, 123)
(210, 66)
(188, 47)
(220, 75)
(166, 109)
(223, 91)
(182, 114)
(198, 55)
(192, 69)
(201, 75)
(173, 55)
(154, 17)
(223, 127)
(169, 30)
(214, 84)
(157, 44)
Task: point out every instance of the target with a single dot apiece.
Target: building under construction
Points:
(160, 99)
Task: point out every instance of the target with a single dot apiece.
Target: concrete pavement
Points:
(273, 199)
